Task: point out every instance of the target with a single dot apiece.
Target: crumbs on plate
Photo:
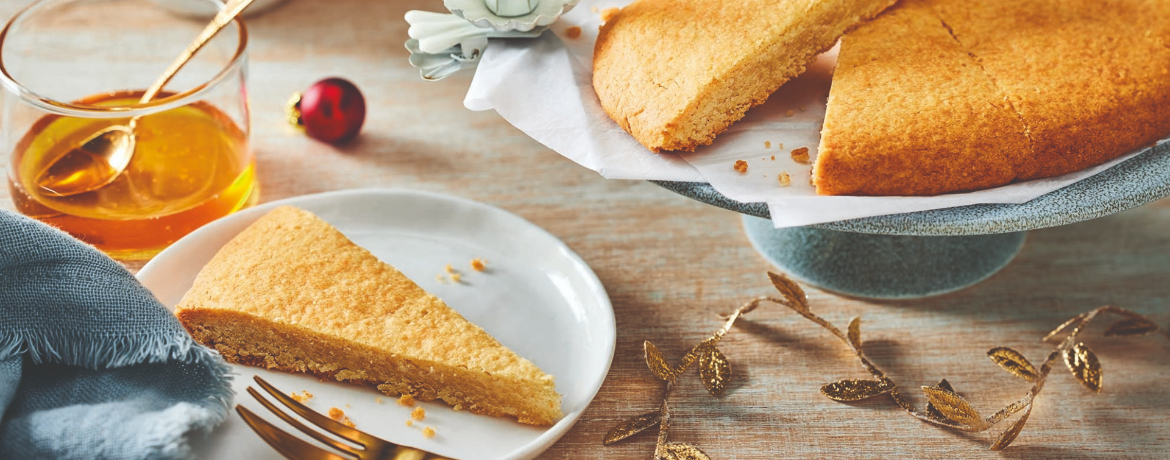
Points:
(478, 264)
(418, 413)
(339, 416)
(800, 155)
(784, 179)
(573, 32)
(302, 396)
(406, 400)
(428, 432)
(453, 274)
(741, 166)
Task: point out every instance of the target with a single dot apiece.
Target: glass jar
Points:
(72, 68)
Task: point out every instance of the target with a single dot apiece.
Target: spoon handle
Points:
(225, 15)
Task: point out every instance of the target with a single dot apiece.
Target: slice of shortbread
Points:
(292, 293)
(675, 73)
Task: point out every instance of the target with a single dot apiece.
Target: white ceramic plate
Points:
(537, 298)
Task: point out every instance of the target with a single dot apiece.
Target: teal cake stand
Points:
(922, 254)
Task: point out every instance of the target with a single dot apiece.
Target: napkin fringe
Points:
(109, 352)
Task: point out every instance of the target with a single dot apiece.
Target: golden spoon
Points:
(102, 157)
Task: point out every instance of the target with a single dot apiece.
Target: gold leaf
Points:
(1131, 327)
(797, 299)
(632, 426)
(683, 451)
(1010, 434)
(856, 390)
(714, 370)
(657, 363)
(855, 332)
(955, 408)
(1084, 366)
(931, 411)
(1014, 362)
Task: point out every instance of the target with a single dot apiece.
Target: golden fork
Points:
(367, 447)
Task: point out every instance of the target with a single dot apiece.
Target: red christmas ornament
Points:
(331, 111)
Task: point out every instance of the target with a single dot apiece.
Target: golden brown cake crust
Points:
(675, 73)
(911, 113)
(1087, 76)
(1084, 80)
(291, 279)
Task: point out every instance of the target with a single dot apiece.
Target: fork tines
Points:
(360, 445)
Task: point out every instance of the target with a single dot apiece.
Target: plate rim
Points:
(552, 433)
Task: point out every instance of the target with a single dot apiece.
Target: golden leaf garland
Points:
(633, 426)
(657, 363)
(1130, 327)
(931, 411)
(1084, 366)
(855, 390)
(945, 407)
(1014, 362)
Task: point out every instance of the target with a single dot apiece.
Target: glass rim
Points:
(94, 111)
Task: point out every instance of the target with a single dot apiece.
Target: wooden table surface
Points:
(670, 264)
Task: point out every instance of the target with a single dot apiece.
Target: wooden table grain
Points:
(671, 264)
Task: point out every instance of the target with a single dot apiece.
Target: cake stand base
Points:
(882, 266)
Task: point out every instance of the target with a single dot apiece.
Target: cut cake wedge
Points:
(676, 73)
(292, 293)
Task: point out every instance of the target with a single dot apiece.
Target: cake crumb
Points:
(609, 13)
(453, 274)
(767, 144)
(789, 113)
(410, 423)
(785, 180)
(594, 9)
(418, 413)
(406, 400)
(441, 279)
(573, 32)
(302, 396)
(773, 157)
(428, 432)
(339, 416)
(378, 399)
(780, 146)
(741, 166)
(478, 264)
(800, 155)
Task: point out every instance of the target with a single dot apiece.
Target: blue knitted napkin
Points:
(92, 366)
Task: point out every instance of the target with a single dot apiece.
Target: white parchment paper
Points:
(543, 87)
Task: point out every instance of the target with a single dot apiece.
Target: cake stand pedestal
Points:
(882, 266)
(934, 252)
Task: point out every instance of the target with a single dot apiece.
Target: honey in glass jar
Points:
(66, 77)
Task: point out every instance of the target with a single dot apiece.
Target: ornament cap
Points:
(292, 111)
